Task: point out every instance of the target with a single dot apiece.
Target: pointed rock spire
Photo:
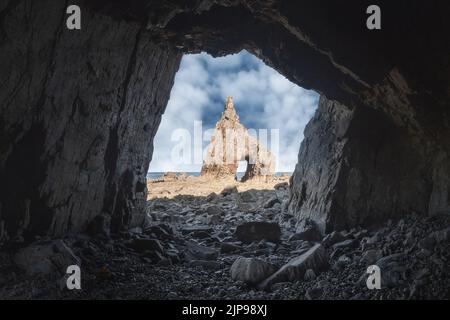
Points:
(232, 143)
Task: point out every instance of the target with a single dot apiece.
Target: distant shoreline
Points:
(156, 175)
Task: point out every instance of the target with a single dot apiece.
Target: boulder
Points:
(46, 258)
(256, 231)
(315, 258)
(251, 270)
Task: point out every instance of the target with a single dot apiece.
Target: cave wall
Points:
(79, 110)
(356, 167)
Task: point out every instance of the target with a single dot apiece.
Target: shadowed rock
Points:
(315, 259)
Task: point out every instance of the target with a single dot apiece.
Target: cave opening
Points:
(376, 151)
(270, 108)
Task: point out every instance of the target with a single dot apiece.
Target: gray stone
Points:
(46, 258)
(315, 258)
(251, 270)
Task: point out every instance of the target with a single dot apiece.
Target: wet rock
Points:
(46, 258)
(251, 270)
(315, 258)
(255, 231)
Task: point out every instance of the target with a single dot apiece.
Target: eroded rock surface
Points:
(231, 143)
(163, 261)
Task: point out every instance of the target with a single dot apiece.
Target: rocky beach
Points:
(226, 239)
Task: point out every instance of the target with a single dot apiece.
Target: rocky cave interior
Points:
(78, 115)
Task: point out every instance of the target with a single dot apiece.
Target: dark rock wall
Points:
(79, 110)
(356, 167)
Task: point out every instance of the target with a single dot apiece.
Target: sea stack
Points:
(231, 143)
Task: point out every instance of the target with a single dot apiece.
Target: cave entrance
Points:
(239, 91)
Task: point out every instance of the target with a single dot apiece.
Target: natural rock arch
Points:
(79, 109)
(231, 143)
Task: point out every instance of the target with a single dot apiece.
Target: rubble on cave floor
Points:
(235, 244)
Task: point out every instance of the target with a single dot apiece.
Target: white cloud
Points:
(263, 99)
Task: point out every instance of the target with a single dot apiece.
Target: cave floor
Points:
(416, 253)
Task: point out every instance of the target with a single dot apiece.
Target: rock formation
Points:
(79, 108)
(231, 143)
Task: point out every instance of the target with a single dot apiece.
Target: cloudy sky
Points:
(263, 99)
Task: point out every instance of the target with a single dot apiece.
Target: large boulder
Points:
(251, 270)
(256, 231)
(51, 257)
(315, 259)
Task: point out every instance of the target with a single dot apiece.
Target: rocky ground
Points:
(231, 240)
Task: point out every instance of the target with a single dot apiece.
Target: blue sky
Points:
(263, 99)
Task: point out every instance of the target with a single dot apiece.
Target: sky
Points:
(263, 99)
